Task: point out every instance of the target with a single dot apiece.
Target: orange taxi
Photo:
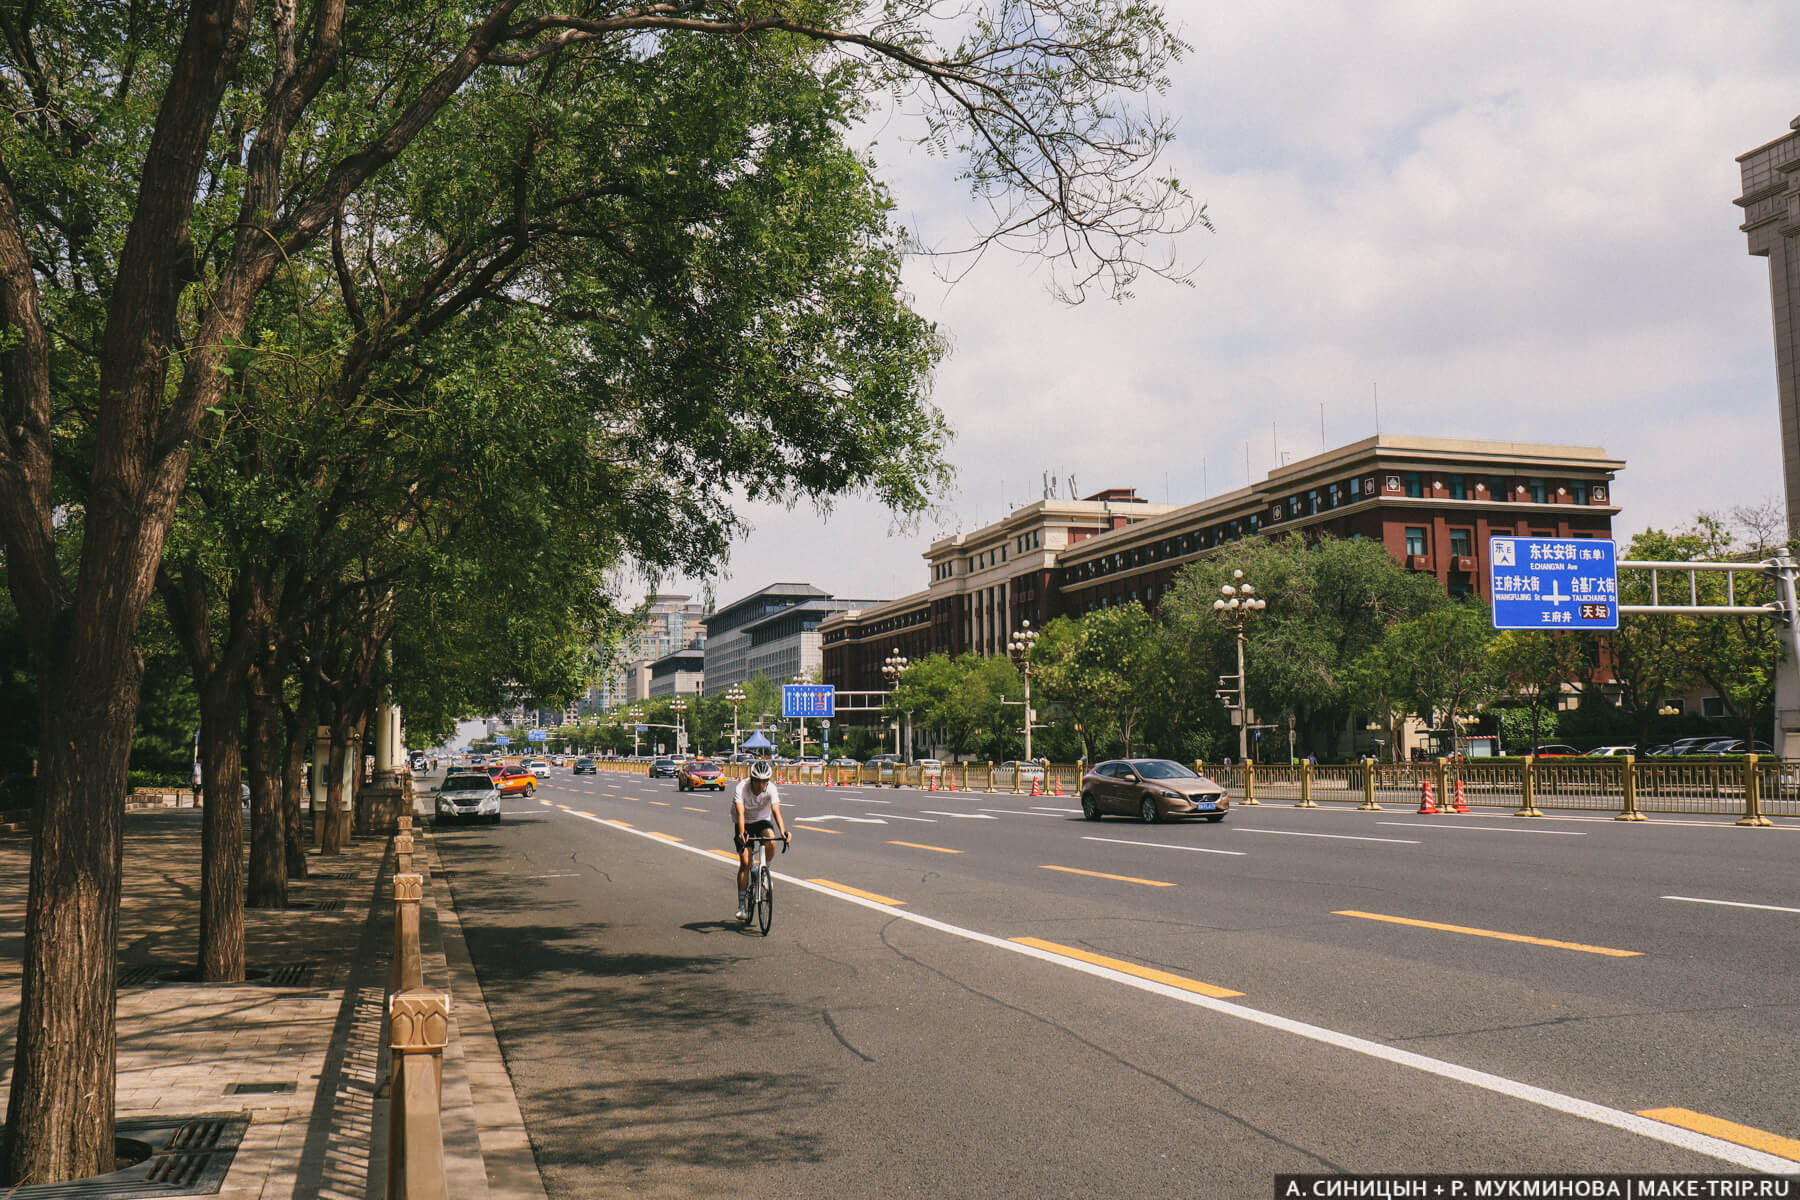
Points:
(513, 779)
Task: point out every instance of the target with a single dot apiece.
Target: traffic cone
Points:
(1461, 805)
(1056, 785)
(933, 787)
(1037, 787)
(949, 781)
(1426, 803)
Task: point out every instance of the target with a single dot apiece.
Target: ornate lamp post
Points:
(735, 698)
(1019, 647)
(637, 718)
(892, 668)
(1238, 603)
(678, 706)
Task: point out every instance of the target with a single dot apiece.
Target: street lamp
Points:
(637, 719)
(735, 698)
(892, 668)
(1019, 647)
(1238, 601)
(678, 706)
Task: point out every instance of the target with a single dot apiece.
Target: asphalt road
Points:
(970, 994)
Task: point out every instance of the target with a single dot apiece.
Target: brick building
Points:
(1432, 502)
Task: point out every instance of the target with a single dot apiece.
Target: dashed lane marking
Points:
(691, 808)
(923, 846)
(1104, 875)
(1341, 837)
(1734, 904)
(1481, 829)
(847, 890)
(1132, 969)
(817, 829)
(1492, 933)
(1731, 1131)
(1163, 846)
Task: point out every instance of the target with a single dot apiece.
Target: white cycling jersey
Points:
(756, 808)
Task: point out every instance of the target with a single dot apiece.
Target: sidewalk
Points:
(293, 1057)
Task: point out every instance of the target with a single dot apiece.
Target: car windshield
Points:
(467, 783)
(1162, 768)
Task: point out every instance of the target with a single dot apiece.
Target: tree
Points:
(960, 699)
(1441, 663)
(166, 167)
(1107, 668)
(1536, 666)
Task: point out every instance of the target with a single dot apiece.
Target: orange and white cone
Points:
(1426, 803)
(1037, 787)
(1056, 784)
(933, 786)
(949, 782)
(1460, 804)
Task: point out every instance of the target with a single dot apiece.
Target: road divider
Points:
(1490, 933)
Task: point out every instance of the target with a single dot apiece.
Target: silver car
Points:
(469, 795)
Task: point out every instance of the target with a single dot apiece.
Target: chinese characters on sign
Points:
(1553, 583)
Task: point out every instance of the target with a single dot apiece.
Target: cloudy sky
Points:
(1510, 221)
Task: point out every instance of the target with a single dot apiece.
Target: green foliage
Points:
(960, 701)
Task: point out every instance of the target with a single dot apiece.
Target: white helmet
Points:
(760, 769)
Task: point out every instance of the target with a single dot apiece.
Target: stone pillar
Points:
(319, 780)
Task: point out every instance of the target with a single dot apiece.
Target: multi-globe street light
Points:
(637, 720)
(1019, 647)
(892, 668)
(1239, 600)
(735, 698)
(678, 706)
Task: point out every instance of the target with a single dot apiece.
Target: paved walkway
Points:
(299, 1051)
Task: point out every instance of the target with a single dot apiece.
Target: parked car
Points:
(1734, 746)
(662, 768)
(845, 762)
(1686, 745)
(698, 773)
(1152, 790)
(469, 794)
(585, 766)
(1556, 750)
(1027, 770)
(885, 765)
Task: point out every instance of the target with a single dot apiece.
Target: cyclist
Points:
(755, 813)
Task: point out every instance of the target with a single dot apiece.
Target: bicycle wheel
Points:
(765, 903)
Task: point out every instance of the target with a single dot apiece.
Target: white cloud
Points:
(1515, 217)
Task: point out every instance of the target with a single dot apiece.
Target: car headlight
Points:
(1166, 794)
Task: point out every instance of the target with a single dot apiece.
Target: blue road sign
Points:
(536, 735)
(502, 740)
(808, 700)
(1553, 583)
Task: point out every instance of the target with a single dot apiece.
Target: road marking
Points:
(920, 820)
(923, 846)
(1731, 1131)
(1491, 933)
(563, 875)
(1047, 808)
(1342, 837)
(1130, 968)
(964, 816)
(1163, 846)
(727, 855)
(667, 837)
(853, 820)
(1733, 904)
(1479, 829)
(816, 829)
(1553, 1101)
(1104, 875)
(1014, 812)
(847, 890)
(660, 803)
(691, 808)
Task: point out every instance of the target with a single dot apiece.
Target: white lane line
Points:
(1047, 808)
(836, 817)
(1165, 846)
(1480, 829)
(1733, 904)
(1019, 812)
(974, 816)
(1600, 1114)
(864, 800)
(1341, 837)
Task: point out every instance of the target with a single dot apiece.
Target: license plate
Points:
(1207, 806)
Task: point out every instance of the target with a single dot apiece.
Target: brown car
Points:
(1150, 789)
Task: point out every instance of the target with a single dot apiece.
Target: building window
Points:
(1355, 488)
(1333, 496)
(1497, 489)
(1414, 487)
(1415, 539)
(1462, 542)
(1459, 487)
(1312, 502)
(1712, 706)
(1536, 490)
(1459, 591)
(1578, 491)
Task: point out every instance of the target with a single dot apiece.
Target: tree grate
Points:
(169, 1156)
(287, 975)
(264, 1088)
(315, 906)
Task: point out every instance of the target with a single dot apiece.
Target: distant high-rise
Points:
(1771, 204)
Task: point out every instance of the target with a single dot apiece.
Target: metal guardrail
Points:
(418, 1030)
(1752, 788)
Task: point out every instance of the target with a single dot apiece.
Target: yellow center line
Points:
(667, 837)
(727, 855)
(660, 803)
(850, 891)
(1491, 933)
(923, 846)
(1104, 875)
(818, 829)
(1128, 968)
(565, 808)
(1730, 1131)
(691, 808)
(620, 824)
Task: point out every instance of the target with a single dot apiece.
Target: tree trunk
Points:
(301, 728)
(59, 1113)
(222, 831)
(335, 780)
(268, 822)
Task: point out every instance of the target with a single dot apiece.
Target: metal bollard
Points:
(1528, 789)
(1250, 782)
(1753, 794)
(1368, 784)
(408, 968)
(418, 1031)
(1306, 782)
(1628, 786)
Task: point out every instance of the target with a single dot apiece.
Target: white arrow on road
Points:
(835, 817)
(965, 816)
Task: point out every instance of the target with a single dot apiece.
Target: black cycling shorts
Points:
(752, 831)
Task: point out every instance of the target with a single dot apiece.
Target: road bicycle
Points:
(759, 902)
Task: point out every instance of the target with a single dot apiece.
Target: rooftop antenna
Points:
(1246, 464)
(1073, 491)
